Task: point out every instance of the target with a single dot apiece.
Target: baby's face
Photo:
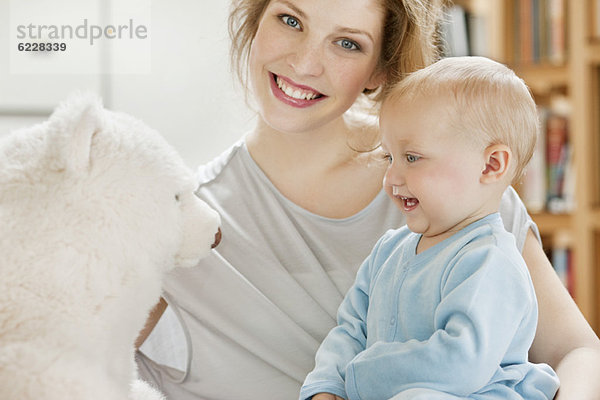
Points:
(434, 172)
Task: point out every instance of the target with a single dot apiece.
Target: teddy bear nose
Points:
(217, 239)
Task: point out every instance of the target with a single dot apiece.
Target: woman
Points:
(301, 207)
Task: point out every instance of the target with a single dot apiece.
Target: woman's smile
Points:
(294, 94)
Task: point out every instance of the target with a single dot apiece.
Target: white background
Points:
(190, 96)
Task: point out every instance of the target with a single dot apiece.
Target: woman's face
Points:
(311, 59)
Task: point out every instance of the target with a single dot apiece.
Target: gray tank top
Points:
(246, 322)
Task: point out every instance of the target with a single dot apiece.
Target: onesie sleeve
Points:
(484, 299)
(346, 340)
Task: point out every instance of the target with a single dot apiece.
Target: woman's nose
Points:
(307, 59)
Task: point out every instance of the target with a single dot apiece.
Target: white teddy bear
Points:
(94, 208)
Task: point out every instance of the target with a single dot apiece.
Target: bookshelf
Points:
(554, 45)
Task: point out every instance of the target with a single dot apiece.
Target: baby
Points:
(443, 308)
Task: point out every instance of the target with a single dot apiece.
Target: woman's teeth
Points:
(295, 92)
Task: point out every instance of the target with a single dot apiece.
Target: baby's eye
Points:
(411, 158)
(291, 21)
(387, 157)
(348, 44)
(177, 197)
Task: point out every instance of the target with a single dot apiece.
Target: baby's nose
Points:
(217, 239)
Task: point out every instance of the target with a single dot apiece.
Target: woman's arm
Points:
(326, 396)
(344, 341)
(564, 339)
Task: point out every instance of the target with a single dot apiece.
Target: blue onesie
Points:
(454, 321)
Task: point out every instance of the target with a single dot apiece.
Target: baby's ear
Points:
(498, 159)
(70, 130)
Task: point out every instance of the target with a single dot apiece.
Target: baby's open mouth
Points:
(409, 202)
(295, 92)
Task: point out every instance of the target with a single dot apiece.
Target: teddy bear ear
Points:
(72, 126)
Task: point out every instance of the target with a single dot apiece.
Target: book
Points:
(455, 32)
(560, 262)
(561, 257)
(559, 158)
(534, 183)
(557, 20)
(535, 30)
(571, 273)
(539, 27)
(557, 151)
(526, 19)
(549, 180)
(516, 20)
(465, 33)
(596, 19)
(478, 35)
(543, 31)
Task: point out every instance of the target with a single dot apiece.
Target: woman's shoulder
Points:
(210, 171)
(515, 217)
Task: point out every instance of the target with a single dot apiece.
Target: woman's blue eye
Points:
(291, 21)
(388, 157)
(348, 44)
(411, 158)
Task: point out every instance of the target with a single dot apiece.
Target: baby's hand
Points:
(326, 396)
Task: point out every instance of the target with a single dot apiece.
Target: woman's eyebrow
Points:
(342, 29)
(355, 32)
(293, 7)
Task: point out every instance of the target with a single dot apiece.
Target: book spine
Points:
(533, 187)
(558, 156)
(549, 180)
(526, 31)
(543, 33)
(596, 20)
(571, 273)
(557, 31)
(535, 31)
(562, 259)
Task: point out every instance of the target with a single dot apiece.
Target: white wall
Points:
(190, 96)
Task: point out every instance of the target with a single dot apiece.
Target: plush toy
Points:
(94, 208)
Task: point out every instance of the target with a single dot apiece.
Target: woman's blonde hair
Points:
(488, 102)
(410, 37)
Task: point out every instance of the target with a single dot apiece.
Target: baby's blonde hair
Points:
(491, 102)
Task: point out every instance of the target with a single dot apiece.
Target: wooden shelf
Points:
(551, 223)
(595, 221)
(579, 79)
(543, 78)
(593, 52)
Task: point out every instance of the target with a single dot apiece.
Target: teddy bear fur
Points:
(94, 208)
